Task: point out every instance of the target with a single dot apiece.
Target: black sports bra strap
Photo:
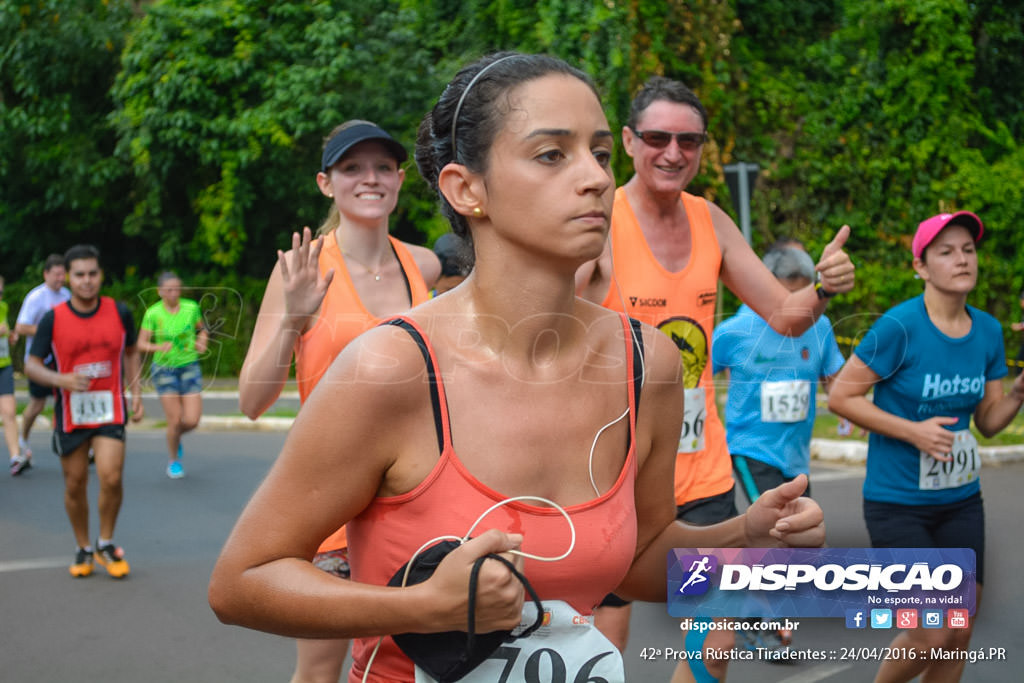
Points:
(405, 276)
(435, 395)
(638, 363)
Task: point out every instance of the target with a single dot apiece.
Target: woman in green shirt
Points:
(173, 330)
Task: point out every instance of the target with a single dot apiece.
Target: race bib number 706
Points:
(566, 649)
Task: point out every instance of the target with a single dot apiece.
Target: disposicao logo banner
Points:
(817, 582)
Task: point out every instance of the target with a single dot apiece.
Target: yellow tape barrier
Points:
(850, 342)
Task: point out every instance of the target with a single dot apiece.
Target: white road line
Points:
(818, 673)
(40, 563)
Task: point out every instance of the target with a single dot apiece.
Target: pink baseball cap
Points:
(928, 229)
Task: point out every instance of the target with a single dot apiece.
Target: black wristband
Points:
(823, 293)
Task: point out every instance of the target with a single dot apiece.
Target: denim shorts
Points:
(187, 379)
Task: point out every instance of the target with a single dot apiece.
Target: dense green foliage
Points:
(222, 109)
(186, 133)
(893, 126)
(59, 179)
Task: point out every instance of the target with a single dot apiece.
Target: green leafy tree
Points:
(998, 34)
(59, 180)
(223, 108)
(620, 44)
(888, 127)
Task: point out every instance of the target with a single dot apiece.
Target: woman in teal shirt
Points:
(933, 363)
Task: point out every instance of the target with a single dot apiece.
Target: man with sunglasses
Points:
(666, 251)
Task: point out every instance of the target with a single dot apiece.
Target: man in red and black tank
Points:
(92, 339)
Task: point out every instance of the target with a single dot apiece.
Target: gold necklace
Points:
(371, 271)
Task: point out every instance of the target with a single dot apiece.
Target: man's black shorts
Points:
(38, 390)
(65, 443)
(710, 510)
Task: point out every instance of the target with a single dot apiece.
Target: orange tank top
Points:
(342, 318)
(682, 305)
(384, 536)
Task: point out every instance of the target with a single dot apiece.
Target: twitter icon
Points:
(881, 618)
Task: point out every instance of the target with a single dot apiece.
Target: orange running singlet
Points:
(342, 318)
(450, 499)
(682, 305)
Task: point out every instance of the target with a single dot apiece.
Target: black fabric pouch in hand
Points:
(450, 655)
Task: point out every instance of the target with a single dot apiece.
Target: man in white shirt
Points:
(37, 302)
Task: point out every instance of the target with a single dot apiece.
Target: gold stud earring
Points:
(478, 212)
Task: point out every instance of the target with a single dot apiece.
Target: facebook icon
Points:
(855, 618)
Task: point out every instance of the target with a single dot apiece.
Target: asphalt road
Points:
(157, 626)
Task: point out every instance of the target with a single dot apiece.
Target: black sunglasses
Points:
(659, 139)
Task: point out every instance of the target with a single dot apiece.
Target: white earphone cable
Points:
(463, 539)
(643, 373)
